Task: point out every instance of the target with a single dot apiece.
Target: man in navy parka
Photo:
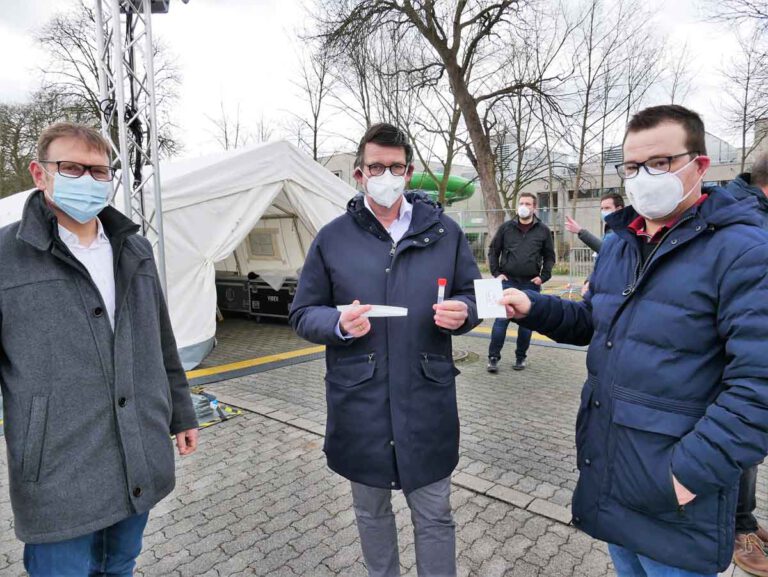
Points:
(390, 385)
(676, 401)
(751, 539)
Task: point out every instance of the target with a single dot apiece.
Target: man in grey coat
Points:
(92, 384)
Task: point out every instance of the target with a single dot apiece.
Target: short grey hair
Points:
(760, 171)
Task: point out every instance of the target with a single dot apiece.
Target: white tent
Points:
(222, 212)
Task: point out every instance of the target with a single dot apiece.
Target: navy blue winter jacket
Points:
(741, 187)
(392, 415)
(677, 381)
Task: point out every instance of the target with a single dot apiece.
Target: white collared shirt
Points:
(397, 231)
(98, 261)
(402, 223)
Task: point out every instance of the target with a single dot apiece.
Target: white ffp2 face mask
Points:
(657, 196)
(385, 189)
(523, 211)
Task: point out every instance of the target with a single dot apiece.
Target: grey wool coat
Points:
(88, 411)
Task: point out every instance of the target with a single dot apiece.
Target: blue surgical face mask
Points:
(605, 213)
(81, 198)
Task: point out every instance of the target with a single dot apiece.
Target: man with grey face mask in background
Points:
(390, 384)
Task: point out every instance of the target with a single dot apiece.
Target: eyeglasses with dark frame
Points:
(71, 169)
(654, 166)
(396, 169)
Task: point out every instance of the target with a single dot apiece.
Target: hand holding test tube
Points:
(449, 314)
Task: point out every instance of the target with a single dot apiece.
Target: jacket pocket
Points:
(352, 371)
(644, 438)
(33, 444)
(438, 368)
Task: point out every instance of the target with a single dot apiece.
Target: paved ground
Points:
(257, 498)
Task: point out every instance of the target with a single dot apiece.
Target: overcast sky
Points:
(246, 52)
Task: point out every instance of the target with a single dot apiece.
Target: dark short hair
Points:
(529, 195)
(760, 171)
(385, 135)
(618, 200)
(691, 122)
(90, 136)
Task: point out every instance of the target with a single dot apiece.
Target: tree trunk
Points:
(482, 146)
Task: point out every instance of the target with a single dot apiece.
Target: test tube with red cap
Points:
(441, 282)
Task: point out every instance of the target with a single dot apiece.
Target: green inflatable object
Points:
(458, 189)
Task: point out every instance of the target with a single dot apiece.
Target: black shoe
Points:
(493, 365)
(519, 365)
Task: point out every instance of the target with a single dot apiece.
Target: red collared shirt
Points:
(638, 225)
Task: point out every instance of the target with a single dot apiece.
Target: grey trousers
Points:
(433, 528)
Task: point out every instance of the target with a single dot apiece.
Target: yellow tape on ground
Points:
(308, 351)
(254, 362)
(510, 333)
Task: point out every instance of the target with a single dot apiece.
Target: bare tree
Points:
(680, 76)
(315, 85)
(69, 38)
(609, 80)
(746, 91)
(462, 40)
(353, 93)
(521, 157)
(523, 123)
(228, 130)
(741, 11)
(423, 107)
(264, 130)
(20, 127)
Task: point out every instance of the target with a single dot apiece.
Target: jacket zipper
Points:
(641, 270)
(670, 405)
(642, 267)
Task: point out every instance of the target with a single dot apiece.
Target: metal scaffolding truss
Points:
(129, 110)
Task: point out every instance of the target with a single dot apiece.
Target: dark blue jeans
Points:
(629, 564)
(499, 331)
(745, 510)
(109, 552)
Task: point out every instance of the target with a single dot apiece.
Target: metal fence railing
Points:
(581, 261)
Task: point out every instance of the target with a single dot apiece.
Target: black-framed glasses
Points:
(71, 169)
(396, 169)
(654, 166)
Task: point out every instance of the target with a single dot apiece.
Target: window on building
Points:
(595, 192)
(262, 244)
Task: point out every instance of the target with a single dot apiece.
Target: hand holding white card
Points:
(378, 311)
(488, 293)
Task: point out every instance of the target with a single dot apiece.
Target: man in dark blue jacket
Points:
(751, 539)
(675, 405)
(390, 383)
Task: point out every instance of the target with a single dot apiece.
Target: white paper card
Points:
(488, 293)
(378, 311)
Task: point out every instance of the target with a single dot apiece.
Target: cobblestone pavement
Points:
(257, 498)
(239, 339)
